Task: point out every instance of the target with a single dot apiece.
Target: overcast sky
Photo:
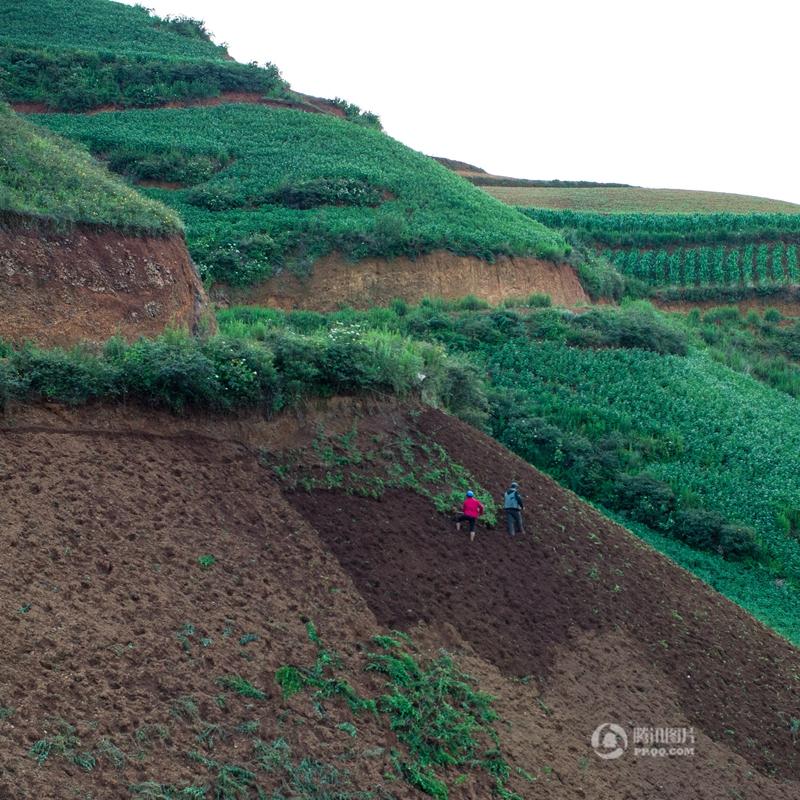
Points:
(695, 95)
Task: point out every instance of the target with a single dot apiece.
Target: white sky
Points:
(693, 95)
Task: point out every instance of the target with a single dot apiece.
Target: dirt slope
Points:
(104, 514)
(61, 287)
(335, 281)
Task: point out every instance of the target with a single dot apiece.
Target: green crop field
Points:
(102, 25)
(74, 57)
(634, 199)
(43, 176)
(596, 398)
(693, 251)
(748, 266)
(273, 188)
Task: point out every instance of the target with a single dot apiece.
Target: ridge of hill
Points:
(187, 607)
(623, 199)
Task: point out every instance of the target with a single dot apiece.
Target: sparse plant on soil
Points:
(241, 686)
(64, 743)
(206, 561)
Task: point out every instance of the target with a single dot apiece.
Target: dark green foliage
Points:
(353, 113)
(339, 187)
(70, 80)
(304, 195)
(633, 326)
(178, 166)
(645, 499)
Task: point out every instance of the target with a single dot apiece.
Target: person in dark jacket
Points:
(471, 509)
(513, 505)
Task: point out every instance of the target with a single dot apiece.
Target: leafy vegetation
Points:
(77, 80)
(298, 186)
(433, 707)
(105, 53)
(103, 25)
(44, 176)
(358, 466)
(226, 373)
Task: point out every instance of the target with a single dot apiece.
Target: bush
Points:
(634, 325)
(709, 530)
(738, 541)
(645, 499)
(698, 528)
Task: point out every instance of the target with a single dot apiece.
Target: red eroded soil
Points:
(61, 287)
(104, 512)
(372, 281)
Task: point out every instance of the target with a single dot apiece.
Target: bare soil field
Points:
(112, 625)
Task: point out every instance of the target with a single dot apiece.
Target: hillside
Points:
(160, 638)
(696, 257)
(106, 53)
(84, 256)
(263, 190)
(686, 428)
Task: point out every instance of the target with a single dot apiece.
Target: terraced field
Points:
(636, 199)
(261, 189)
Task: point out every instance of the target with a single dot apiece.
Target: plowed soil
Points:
(109, 622)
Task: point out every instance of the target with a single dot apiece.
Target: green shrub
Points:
(698, 528)
(645, 499)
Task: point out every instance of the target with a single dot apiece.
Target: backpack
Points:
(510, 499)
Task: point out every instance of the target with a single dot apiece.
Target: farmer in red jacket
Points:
(470, 511)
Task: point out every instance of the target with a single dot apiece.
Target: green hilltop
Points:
(104, 25)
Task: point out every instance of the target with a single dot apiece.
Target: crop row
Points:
(745, 266)
(660, 229)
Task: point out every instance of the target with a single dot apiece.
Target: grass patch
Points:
(48, 178)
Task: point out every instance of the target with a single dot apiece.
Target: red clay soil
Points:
(104, 513)
(61, 287)
(336, 281)
(314, 105)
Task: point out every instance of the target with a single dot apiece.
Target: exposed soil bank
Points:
(336, 281)
(61, 287)
(788, 305)
(314, 105)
